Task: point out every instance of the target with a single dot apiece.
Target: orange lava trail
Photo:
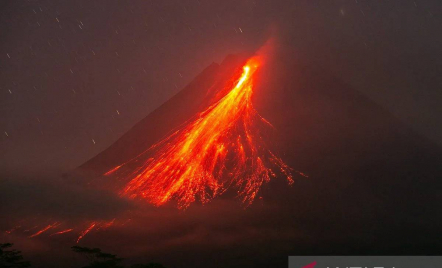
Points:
(62, 232)
(222, 148)
(82, 234)
(106, 225)
(12, 230)
(44, 229)
(112, 170)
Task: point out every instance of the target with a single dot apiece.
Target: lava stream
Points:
(63, 232)
(83, 233)
(222, 148)
(55, 224)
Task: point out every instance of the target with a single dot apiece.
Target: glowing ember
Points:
(97, 225)
(83, 233)
(44, 229)
(106, 225)
(62, 232)
(222, 148)
(94, 225)
(112, 170)
(12, 230)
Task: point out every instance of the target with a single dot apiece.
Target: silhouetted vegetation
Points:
(11, 258)
(99, 259)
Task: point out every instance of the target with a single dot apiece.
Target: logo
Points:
(365, 261)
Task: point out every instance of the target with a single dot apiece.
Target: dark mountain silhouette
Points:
(373, 185)
(373, 181)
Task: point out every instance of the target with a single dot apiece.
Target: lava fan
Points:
(220, 148)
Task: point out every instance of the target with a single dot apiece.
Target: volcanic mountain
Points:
(168, 117)
(373, 184)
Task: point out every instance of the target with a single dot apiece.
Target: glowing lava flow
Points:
(63, 232)
(222, 148)
(45, 229)
(96, 225)
(83, 233)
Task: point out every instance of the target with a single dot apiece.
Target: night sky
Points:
(76, 75)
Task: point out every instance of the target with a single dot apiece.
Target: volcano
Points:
(373, 183)
(220, 147)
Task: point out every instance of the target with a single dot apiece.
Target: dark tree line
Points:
(99, 259)
(11, 258)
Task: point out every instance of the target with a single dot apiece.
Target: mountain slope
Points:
(373, 180)
(373, 185)
(170, 115)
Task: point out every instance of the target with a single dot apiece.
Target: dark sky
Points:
(76, 75)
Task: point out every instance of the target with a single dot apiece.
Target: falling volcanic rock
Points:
(371, 178)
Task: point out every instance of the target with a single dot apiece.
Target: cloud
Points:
(48, 196)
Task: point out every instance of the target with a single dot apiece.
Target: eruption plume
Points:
(221, 148)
